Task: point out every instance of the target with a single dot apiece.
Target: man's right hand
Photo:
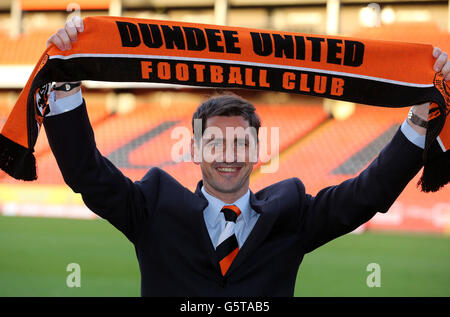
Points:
(63, 39)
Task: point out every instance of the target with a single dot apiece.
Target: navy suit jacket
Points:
(164, 220)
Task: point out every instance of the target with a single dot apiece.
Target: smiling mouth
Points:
(228, 169)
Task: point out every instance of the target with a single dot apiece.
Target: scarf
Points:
(371, 72)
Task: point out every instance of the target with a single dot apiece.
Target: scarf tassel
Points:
(16, 160)
(436, 172)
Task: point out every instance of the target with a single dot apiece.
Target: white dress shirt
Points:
(64, 104)
(215, 220)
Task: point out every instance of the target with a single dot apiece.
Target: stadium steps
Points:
(360, 159)
(314, 158)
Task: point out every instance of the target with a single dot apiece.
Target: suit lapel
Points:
(199, 219)
(268, 211)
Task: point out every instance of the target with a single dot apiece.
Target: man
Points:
(223, 240)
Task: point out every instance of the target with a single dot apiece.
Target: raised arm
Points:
(105, 190)
(337, 210)
(420, 112)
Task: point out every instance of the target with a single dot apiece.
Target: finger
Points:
(440, 62)
(55, 39)
(65, 38)
(78, 22)
(436, 52)
(446, 71)
(71, 31)
(50, 41)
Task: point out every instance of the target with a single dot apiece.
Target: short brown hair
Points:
(227, 105)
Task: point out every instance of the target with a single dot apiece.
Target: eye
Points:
(216, 144)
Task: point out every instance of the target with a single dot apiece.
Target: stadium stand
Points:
(314, 158)
(24, 50)
(122, 137)
(318, 149)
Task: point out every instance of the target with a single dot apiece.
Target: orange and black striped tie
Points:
(227, 246)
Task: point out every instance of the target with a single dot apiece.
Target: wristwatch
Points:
(416, 119)
(66, 86)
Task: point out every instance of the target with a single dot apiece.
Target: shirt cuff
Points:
(64, 104)
(412, 135)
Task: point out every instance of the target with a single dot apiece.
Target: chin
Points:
(226, 184)
(229, 188)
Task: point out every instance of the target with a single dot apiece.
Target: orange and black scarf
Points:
(378, 73)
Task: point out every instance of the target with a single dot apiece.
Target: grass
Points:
(410, 265)
(35, 252)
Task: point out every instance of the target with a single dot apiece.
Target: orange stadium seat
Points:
(4, 111)
(24, 50)
(314, 158)
(48, 172)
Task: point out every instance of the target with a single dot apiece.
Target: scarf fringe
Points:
(436, 173)
(16, 160)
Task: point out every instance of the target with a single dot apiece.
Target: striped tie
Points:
(227, 247)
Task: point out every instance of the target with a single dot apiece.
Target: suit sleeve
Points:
(104, 189)
(340, 209)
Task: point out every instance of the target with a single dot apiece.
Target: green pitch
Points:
(35, 253)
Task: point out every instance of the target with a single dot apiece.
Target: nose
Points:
(230, 152)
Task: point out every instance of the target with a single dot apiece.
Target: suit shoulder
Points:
(160, 183)
(158, 176)
(291, 187)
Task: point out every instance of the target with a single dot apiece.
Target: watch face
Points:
(410, 114)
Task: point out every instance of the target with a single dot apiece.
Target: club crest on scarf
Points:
(42, 107)
(444, 89)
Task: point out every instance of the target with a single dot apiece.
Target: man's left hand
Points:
(442, 64)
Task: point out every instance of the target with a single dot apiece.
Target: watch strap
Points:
(67, 86)
(416, 119)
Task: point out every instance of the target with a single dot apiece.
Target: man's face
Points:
(229, 152)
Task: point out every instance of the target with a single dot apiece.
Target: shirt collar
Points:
(215, 205)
